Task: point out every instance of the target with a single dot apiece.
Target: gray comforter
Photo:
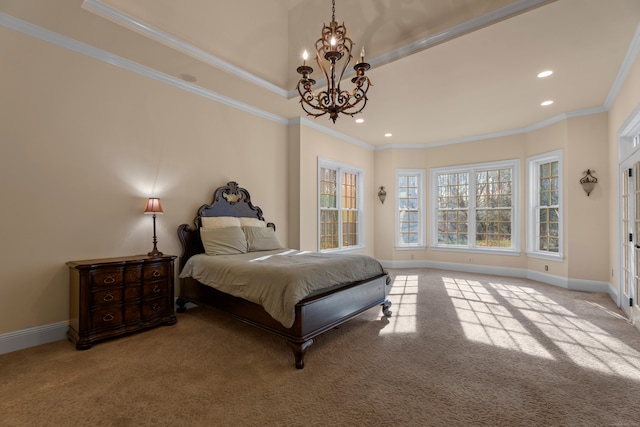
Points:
(279, 279)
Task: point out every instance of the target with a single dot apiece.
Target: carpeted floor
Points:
(460, 350)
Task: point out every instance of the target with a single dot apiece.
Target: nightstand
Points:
(115, 296)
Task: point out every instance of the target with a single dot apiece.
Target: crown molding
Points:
(526, 129)
(158, 35)
(627, 63)
(303, 121)
(104, 56)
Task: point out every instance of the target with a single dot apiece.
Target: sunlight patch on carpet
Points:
(583, 342)
(404, 299)
(485, 320)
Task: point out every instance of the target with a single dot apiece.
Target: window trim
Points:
(422, 211)
(533, 190)
(341, 167)
(514, 164)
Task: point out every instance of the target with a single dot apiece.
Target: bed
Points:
(325, 301)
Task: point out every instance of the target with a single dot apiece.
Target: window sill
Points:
(342, 250)
(411, 248)
(505, 252)
(549, 256)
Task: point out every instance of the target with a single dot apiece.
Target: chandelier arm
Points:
(331, 48)
(320, 64)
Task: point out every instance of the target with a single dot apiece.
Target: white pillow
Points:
(261, 239)
(223, 241)
(251, 222)
(219, 221)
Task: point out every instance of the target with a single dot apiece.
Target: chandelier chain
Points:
(333, 11)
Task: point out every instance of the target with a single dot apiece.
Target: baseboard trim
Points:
(550, 279)
(31, 337)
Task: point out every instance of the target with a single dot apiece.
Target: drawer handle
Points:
(155, 307)
(156, 273)
(156, 289)
(108, 317)
(108, 297)
(109, 280)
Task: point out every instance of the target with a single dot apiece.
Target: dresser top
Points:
(132, 259)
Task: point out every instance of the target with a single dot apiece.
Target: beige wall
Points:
(582, 140)
(313, 145)
(84, 145)
(587, 217)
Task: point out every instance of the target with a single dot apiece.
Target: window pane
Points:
(408, 205)
(349, 185)
(349, 228)
(328, 186)
(548, 219)
(328, 229)
(338, 216)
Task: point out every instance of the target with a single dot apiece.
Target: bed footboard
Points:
(314, 315)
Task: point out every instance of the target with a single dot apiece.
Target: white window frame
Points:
(422, 212)
(471, 169)
(342, 167)
(533, 196)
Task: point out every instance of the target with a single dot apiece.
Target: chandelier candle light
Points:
(332, 46)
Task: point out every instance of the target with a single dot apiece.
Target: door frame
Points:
(628, 156)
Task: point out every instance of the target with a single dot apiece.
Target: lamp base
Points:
(155, 251)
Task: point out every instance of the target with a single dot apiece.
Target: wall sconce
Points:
(154, 207)
(382, 194)
(588, 181)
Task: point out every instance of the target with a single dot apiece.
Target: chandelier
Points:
(331, 47)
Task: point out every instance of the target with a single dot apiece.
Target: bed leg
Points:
(386, 304)
(299, 349)
(181, 305)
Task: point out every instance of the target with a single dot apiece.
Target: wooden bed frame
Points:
(313, 315)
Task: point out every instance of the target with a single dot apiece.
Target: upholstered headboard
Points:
(228, 200)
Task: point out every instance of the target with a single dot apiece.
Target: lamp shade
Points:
(153, 206)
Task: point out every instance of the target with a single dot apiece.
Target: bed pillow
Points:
(219, 221)
(223, 241)
(261, 239)
(251, 222)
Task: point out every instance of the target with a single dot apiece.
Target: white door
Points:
(630, 221)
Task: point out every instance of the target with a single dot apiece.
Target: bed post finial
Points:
(233, 187)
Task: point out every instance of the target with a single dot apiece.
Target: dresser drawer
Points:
(154, 307)
(107, 277)
(153, 289)
(104, 296)
(132, 313)
(107, 317)
(133, 274)
(132, 292)
(155, 270)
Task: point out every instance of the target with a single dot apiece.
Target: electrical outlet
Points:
(411, 256)
(546, 268)
(469, 259)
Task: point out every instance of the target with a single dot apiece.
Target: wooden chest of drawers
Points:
(114, 296)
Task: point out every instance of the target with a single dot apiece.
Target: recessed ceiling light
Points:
(546, 73)
(388, 135)
(545, 103)
(359, 120)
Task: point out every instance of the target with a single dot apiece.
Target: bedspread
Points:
(279, 279)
